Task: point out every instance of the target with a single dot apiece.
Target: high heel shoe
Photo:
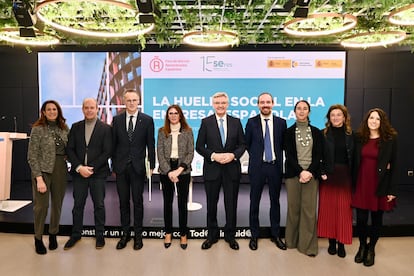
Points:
(167, 240)
(183, 242)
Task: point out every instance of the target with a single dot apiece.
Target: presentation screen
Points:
(190, 79)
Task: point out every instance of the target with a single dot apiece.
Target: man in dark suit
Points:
(133, 139)
(89, 148)
(264, 139)
(221, 142)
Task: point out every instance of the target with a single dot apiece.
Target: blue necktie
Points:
(221, 128)
(267, 143)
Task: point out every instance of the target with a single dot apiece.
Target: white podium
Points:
(6, 155)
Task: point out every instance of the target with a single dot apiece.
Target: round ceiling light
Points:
(97, 18)
(373, 39)
(211, 38)
(320, 24)
(12, 35)
(403, 16)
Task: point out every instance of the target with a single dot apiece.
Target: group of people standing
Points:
(348, 169)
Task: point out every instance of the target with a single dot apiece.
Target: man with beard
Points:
(264, 140)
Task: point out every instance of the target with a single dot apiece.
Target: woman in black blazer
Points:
(374, 178)
(175, 152)
(335, 191)
(303, 147)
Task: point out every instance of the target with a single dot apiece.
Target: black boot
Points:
(341, 250)
(40, 247)
(361, 254)
(332, 247)
(52, 242)
(370, 257)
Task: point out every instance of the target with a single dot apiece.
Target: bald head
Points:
(90, 108)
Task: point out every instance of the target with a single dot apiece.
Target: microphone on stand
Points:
(15, 123)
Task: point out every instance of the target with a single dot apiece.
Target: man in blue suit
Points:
(133, 140)
(264, 139)
(221, 142)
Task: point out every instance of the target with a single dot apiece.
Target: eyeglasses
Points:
(172, 113)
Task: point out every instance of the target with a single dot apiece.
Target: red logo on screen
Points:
(156, 64)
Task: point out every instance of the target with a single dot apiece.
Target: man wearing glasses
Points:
(133, 138)
(221, 142)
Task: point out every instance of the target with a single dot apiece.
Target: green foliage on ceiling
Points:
(250, 19)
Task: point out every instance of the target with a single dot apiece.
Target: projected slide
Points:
(190, 78)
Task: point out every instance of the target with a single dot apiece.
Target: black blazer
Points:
(255, 141)
(387, 178)
(328, 163)
(292, 164)
(209, 141)
(142, 140)
(99, 148)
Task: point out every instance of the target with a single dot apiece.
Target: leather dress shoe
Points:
(279, 243)
(123, 242)
(208, 243)
(100, 242)
(233, 244)
(138, 243)
(253, 244)
(71, 242)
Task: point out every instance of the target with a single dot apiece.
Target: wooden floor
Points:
(394, 256)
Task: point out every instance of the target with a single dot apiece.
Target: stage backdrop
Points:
(190, 78)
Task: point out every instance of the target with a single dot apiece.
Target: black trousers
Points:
(231, 192)
(182, 197)
(96, 187)
(269, 174)
(130, 183)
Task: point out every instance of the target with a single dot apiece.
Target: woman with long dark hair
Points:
(47, 160)
(335, 211)
(374, 177)
(175, 152)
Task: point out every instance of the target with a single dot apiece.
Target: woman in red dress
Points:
(335, 211)
(376, 186)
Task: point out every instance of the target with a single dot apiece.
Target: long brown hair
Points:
(184, 125)
(347, 123)
(60, 120)
(386, 131)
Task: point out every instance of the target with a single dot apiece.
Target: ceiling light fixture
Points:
(211, 38)
(373, 39)
(403, 16)
(12, 35)
(105, 18)
(320, 24)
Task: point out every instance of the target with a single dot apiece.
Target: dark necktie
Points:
(221, 128)
(130, 128)
(267, 143)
